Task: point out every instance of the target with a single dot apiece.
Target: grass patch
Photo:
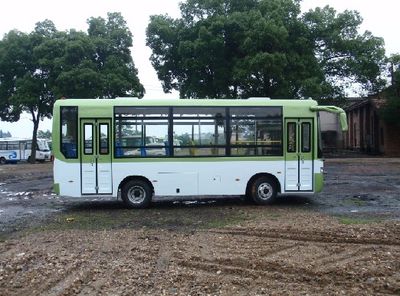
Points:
(272, 216)
(354, 202)
(358, 220)
(85, 220)
(3, 238)
(227, 221)
(172, 218)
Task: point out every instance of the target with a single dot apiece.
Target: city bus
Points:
(137, 149)
(17, 149)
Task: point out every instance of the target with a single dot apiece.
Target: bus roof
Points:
(184, 102)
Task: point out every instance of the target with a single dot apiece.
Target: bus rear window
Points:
(69, 131)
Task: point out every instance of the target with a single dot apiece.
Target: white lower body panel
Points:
(299, 175)
(180, 178)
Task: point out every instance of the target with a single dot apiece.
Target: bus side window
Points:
(104, 143)
(141, 132)
(88, 137)
(69, 131)
(305, 137)
(291, 137)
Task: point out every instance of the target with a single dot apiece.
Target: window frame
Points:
(255, 118)
(201, 146)
(288, 150)
(309, 137)
(142, 148)
(76, 132)
(227, 119)
(84, 139)
(100, 138)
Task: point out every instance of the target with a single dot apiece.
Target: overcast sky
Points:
(380, 17)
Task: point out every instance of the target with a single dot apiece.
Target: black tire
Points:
(264, 190)
(2, 160)
(247, 197)
(137, 194)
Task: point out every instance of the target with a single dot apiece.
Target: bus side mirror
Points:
(336, 110)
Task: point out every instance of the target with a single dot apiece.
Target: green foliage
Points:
(97, 63)
(231, 49)
(15, 60)
(343, 54)
(391, 111)
(394, 69)
(111, 41)
(44, 65)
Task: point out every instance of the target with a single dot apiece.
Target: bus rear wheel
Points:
(136, 193)
(264, 190)
(2, 160)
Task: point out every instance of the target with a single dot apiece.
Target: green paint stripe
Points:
(56, 188)
(319, 182)
(182, 159)
(197, 159)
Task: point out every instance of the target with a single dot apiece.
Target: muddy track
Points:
(218, 262)
(313, 236)
(302, 262)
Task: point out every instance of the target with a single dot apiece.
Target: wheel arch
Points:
(129, 178)
(258, 175)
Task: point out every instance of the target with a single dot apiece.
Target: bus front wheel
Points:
(136, 193)
(2, 160)
(264, 190)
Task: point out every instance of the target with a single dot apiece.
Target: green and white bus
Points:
(136, 149)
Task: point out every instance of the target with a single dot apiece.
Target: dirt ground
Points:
(343, 241)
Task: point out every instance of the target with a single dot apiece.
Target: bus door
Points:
(96, 175)
(299, 155)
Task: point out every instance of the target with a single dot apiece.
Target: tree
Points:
(232, 48)
(394, 72)
(391, 111)
(345, 56)
(38, 68)
(99, 63)
(14, 47)
(28, 82)
(112, 40)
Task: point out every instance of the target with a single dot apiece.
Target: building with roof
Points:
(368, 132)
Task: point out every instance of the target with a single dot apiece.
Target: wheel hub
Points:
(136, 194)
(265, 191)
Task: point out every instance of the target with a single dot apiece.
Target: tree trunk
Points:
(32, 158)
